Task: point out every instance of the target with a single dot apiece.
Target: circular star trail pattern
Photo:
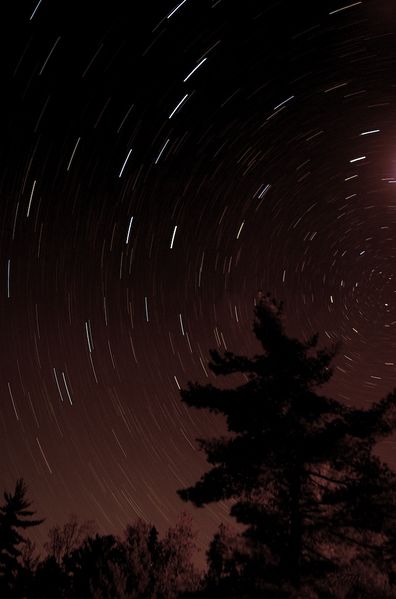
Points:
(160, 164)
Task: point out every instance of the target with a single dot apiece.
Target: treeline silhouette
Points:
(80, 563)
(315, 506)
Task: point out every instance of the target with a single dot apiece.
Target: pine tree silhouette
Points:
(14, 516)
(298, 466)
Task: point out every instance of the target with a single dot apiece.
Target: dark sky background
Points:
(161, 163)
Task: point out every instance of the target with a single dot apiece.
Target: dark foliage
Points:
(15, 516)
(140, 566)
(317, 507)
(49, 580)
(298, 466)
(62, 540)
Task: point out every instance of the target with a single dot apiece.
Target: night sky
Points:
(160, 164)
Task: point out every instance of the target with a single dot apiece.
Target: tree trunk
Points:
(295, 539)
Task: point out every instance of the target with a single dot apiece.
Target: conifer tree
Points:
(14, 517)
(298, 466)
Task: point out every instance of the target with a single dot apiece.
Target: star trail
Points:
(160, 164)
